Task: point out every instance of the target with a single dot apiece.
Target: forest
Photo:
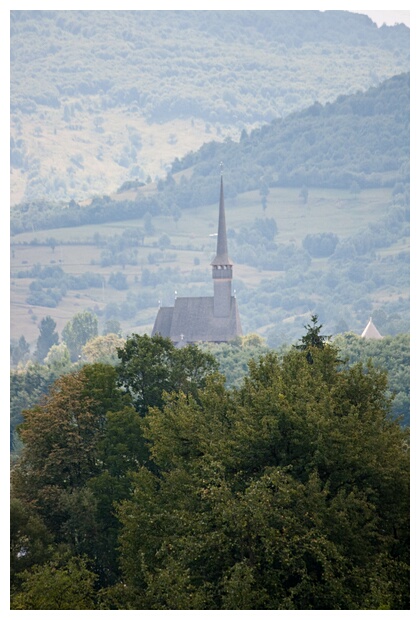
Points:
(267, 473)
(149, 483)
(33, 374)
(99, 98)
(357, 142)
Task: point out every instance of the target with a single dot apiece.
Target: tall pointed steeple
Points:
(221, 257)
(222, 266)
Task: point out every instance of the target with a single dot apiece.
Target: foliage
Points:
(27, 387)
(46, 339)
(280, 495)
(321, 244)
(151, 366)
(78, 331)
(331, 145)
(253, 41)
(60, 434)
(59, 584)
(89, 441)
(313, 337)
(103, 349)
(51, 284)
(19, 351)
(58, 358)
(29, 540)
(112, 327)
(324, 145)
(63, 452)
(118, 281)
(392, 354)
(233, 357)
(277, 494)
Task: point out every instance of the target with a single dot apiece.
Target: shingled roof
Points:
(192, 319)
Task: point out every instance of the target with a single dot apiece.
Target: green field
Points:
(192, 248)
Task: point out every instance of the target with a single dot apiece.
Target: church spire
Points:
(222, 267)
(221, 257)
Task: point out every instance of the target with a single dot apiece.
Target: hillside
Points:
(338, 247)
(101, 97)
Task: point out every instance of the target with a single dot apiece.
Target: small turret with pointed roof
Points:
(222, 266)
(370, 332)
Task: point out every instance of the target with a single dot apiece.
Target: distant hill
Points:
(360, 141)
(102, 97)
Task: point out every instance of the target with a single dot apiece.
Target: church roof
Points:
(370, 332)
(192, 320)
(163, 322)
(221, 257)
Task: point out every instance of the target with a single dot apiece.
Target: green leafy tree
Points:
(103, 349)
(19, 351)
(118, 281)
(122, 450)
(51, 242)
(291, 492)
(27, 387)
(46, 339)
(58, 358)
(150, 366)
(90, 440)
(164, 242)
(60, 438)
(264, 191)
(112, 326)
(30, 540)
(78, 331)
(233, 357)
(392, 354)
(57, 585)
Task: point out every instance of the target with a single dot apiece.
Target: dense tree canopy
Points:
(272, 497)
(290, 491)
(151, 366)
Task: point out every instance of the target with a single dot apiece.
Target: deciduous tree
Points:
(78, 331)
(291, 492)
(150, 366)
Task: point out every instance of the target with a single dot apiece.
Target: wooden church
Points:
(205, 319)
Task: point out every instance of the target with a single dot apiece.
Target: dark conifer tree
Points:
(46, 339)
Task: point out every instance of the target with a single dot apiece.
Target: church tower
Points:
(205, 319)
(222, 266)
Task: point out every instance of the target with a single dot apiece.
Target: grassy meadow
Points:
(193, 244)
